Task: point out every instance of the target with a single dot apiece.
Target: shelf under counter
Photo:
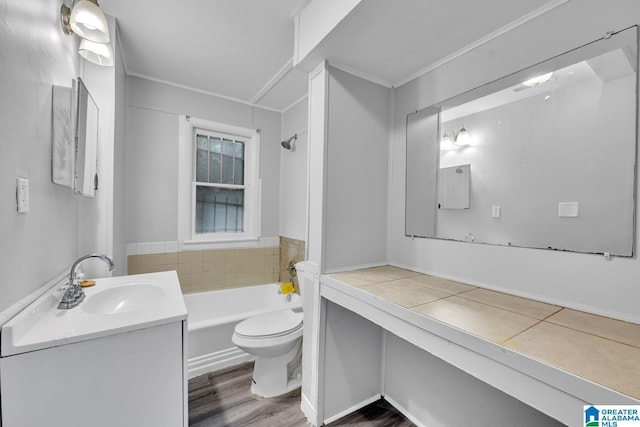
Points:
(551, 358)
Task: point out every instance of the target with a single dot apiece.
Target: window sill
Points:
(220, 243)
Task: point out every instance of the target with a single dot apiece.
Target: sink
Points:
(113, 305)
(122, 299)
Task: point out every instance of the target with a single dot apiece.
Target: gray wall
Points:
(357, 153)
(575, 280)
(35, 55)
(293, 173)
(152, 154)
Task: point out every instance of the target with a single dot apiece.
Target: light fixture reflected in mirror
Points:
(463, 138)
(451, 139)
(538, 80)
(98, 53)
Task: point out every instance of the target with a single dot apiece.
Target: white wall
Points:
(35, 54)
(293, 173)
(356, 174)
(152, 154)
(576, 280)
(436, 393)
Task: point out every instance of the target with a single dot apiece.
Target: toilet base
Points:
(275, 376)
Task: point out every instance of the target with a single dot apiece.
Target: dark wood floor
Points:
(223, 398)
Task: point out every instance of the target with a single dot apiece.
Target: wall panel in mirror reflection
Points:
(567, 138)
(422, 167)
(86, 169)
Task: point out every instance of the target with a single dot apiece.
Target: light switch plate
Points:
(568, 209)
(22, 194)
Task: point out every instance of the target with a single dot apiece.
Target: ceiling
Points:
(243, 49)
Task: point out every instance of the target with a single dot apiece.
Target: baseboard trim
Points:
(217, 360)
(308, 410)
(403, 411)
(353, 408)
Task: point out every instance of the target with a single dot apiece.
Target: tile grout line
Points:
(591, 334)
(511, 311)
(535, 324)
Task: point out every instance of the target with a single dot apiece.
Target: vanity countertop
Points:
(599, 349)
(113, 305)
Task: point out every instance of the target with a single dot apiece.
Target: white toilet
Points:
(276, 341)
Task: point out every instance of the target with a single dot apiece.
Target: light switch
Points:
(568, 209)
(22, 194)
(495, 211)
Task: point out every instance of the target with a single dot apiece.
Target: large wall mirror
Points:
(542, 158)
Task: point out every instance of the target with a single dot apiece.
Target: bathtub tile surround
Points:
(600, 349)
(290, 250)
(224, 268)
(207, 270)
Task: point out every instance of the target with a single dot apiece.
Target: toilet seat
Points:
(270, 325)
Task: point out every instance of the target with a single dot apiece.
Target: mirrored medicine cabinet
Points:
(542, 158)
(74, 159)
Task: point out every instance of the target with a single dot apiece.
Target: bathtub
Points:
(213, 315)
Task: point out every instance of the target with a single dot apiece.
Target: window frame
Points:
(188, 127)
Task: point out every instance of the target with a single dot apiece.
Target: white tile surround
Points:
(146, 248)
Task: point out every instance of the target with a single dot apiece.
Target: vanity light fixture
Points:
(538, 80)
(98, 53)
(463, 138)
(446, 142)
(85, 19)
(452, 139)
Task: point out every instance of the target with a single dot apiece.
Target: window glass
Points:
(219, 210)
(215, 174)
(227, 162)
(202, 158)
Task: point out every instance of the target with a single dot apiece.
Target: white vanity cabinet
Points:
(130, 371)
(129, 379)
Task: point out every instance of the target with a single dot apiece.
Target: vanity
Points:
(118, 358)
(443, 351)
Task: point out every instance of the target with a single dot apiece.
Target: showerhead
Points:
(287, 144)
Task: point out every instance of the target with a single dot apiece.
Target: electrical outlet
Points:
(495, 211)
(22, 194)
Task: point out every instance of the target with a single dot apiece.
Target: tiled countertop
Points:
(600, 349)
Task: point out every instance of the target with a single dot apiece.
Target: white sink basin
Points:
(121, 299)
(114, 305)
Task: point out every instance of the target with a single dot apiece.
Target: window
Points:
(218, 184)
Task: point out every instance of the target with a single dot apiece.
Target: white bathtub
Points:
(213, 315)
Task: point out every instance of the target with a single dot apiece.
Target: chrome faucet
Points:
(74, 294)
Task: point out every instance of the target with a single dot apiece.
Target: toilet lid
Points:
(270, 324)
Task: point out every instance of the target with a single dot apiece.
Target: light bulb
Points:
(537, 81)
(463, 138)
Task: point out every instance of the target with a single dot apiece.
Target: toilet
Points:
(276, 340)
